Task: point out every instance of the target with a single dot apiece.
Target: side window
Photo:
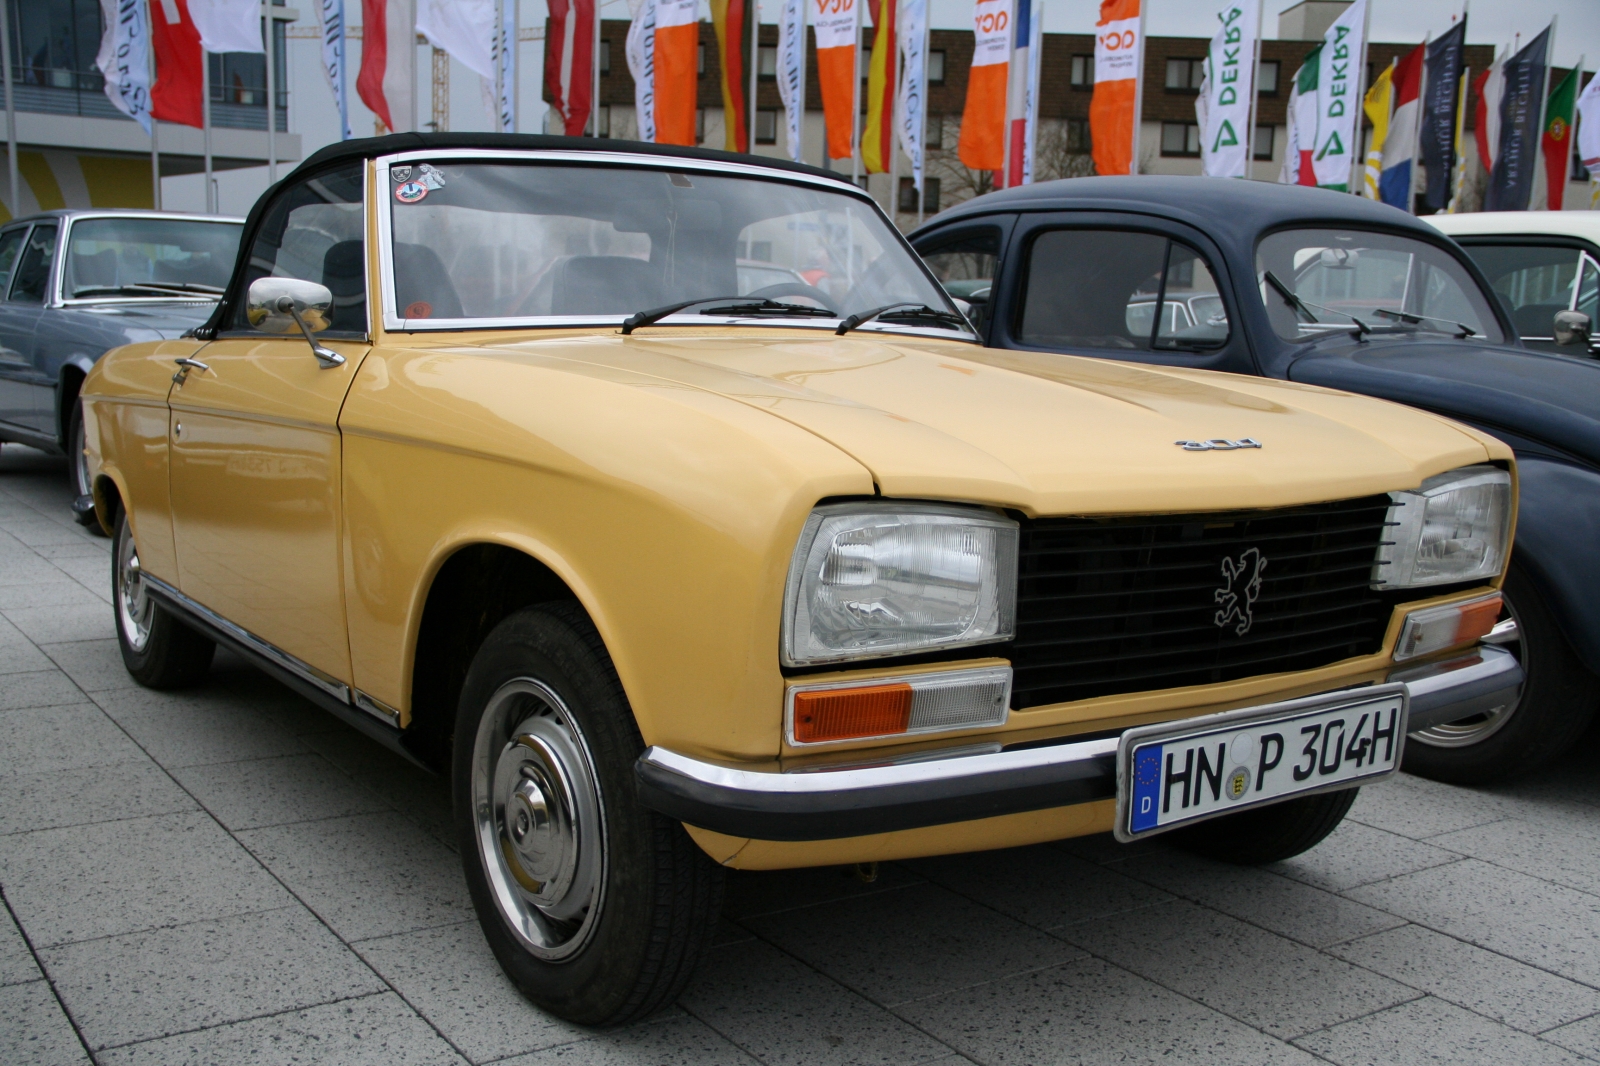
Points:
(33, 268)
(1534, 281)
(10, 245)
(966, 267)
(314, 231)
(1115, 289)
(1588, 300)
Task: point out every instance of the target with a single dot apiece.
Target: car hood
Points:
(1540, 395)
(1049, 434)
(168, 319)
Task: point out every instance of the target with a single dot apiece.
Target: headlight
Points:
(1451, 529)
(869, 580)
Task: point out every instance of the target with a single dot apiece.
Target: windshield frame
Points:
(64, 299)
(389, 316)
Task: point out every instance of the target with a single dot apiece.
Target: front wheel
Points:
(158, 650)
(78, 471)
(596, 908)
(1268, 834)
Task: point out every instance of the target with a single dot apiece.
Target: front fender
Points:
(1557, 509)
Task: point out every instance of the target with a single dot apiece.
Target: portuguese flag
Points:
(1557, 138)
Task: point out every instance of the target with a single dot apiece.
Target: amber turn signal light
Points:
(939, 702)
(1437, 628)
(847, 713)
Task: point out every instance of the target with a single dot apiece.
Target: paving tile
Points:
(422, 797)
(48, 739)
(1043, 886)
(18, 655)
(125, 989)
(783, 1012)
(79, 797)
(755, 892)
(1564, 850)
(38, 531)
(1091, 1012)
(372, 1031)
(677, 1042)
(93, 665)
(1288, 908)
(33, 1031)
(1581, 1036)
(1492, 985)
(94, 574)
(46, 594)
(451, 978)
(198, 735)
(1356, 854)
(42, 688)
(1429, 1030)
(93, 550)
(1549, 926)
(77, 621)
(1246, 973)
(16, 961)
(29, 569)
(1105, 848)
(369, 875)
(913, 942)
(262, 792)
(110, 878)
(1418, 808)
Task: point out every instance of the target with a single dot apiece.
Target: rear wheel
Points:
(158, 650)
(596, 908)
(78, 470)
(1557, 703)
(1268, 834)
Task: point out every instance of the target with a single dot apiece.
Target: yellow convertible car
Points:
(498, 448)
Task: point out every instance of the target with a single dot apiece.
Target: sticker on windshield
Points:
(411, 192)
(400, 174)
(430, 177)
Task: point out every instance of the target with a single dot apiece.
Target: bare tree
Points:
(1055, 156)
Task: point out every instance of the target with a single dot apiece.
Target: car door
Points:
(966, 258)
(26, 253)
(1536, 277)
(255, 442)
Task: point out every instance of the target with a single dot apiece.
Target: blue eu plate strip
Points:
(1146, 789)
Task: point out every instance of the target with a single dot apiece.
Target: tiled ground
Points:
(229, 876)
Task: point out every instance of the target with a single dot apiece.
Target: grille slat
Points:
(1147, 619)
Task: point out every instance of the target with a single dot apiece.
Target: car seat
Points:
(604, 285)
(422, 287)
(343, 272)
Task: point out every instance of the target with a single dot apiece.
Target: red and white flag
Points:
(175, 97)
(569, 63)
(983, 123)
(1489, 87)
(836, 25)
(1113, 111)
(663, 49)
(387, 82)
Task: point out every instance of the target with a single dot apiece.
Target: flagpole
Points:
(594, 75)
(1544, 110)
(1138, 94)
(11, 111)
(753, 14)
(1361, 94)
(1255, 96)
(922, 138)
(855, 101)
(272, 102)
(892, 83)
(1416, 127)
(205, 121)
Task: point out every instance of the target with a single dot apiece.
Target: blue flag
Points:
(1440, 98)
(1521, 126)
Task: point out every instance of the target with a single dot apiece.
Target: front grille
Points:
(1129, 605)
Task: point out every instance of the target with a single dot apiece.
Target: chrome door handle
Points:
(184, 366)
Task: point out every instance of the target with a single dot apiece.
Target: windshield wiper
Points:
(147, 288)
(912, 310)
(1417, 320)
(769, 307)
(178, 286)
(1300, 305)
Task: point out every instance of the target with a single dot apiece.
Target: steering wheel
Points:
(793, 288)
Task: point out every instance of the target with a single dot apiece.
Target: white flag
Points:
(1589, 136)
(792, 72)
(912, 94)
(506, 58)
(1339, 93)
(228, 25)
(125, 58)
(331, 13)
(1223, 106)
(463, 28)
(642, 65)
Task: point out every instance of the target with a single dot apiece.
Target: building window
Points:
(1267, 77)
(935, 131)
(1185, 75)
(1082, 72)
(603, 120)
(1180, 139)
(700, 60)
(1264, 143)
(700, 126)
(766, 126)
(605, 57)
(908, 196)
(767, 63)
(1078, 135)
(936, 67)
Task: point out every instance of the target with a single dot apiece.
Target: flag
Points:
(792, 72)
(728, 20)
(1441, 104)
(663, 44)
(1557, 141)
(1589, 136)
(175, 97)
(983, 122)
(386, 82)
(641, 48)
(1458, 182)
(331, 12)
(1302, 116)
(124, 58)
(834, 22)
(1511, 183)
(1022, 71)
(1379, 106)
(877, 140)
(1400, 149)
(1338, 78)
(1118, 63)
(463, 28)
(228, 25)
(1223, 106)
(911, 112)
(569, 63)
(1489, 87)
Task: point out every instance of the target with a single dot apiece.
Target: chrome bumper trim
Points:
(1483, 679)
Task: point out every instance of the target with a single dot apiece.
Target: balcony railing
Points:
(68, 92)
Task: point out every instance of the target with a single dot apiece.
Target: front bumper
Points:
(981, 780)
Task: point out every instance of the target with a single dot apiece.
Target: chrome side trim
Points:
(1480, 681)
(376, 707)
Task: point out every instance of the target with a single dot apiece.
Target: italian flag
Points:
(1557, 138)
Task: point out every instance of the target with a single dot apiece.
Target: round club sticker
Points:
(411, 192)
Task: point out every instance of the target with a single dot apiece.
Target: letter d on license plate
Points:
(1176, 773)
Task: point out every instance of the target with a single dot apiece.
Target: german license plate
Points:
(1177, 773)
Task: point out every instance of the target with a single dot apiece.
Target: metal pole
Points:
(1138, 97)
(594, 95)
(272, 102)
(855, 101)
(922, 139)
(205, 121)
(1255, 97)
(754, 15)
(11, 111)
(1359, 157)
(1544, 108)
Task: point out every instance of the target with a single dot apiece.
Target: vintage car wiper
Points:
(1416, 320)
(147, 288)
(770, 307)
(912, 310)
(1300, 305)
(178, 286)
(740, 306)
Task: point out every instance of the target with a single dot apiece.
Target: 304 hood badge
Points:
(1241, 584)
(1217, 444)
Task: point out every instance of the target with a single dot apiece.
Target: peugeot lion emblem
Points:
(1241, 584)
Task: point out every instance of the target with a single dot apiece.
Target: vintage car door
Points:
(26, 296)
(255, 441)
(1536, 276)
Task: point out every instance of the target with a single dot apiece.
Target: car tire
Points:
(159, 651)
(1558, 702)
(78, 471)
(596, 908)
(1268, 834)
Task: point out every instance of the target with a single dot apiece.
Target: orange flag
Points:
(677, 85)
(835, 25)
(1118, 59)
(728, 18)
(877, 142)
(983, 124)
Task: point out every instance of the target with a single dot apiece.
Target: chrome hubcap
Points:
(540, 823)
(1480, 727)
(134, 606)
(80, 459)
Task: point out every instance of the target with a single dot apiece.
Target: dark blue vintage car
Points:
(1314, 286)
(79, 283)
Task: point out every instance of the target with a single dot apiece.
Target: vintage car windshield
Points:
(1390, 282)
(148, 257)
(519, 241)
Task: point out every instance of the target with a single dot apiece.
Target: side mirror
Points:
(283, 305)
(1572, 327)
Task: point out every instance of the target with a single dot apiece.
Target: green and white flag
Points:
(1223, 106)
(1339, 92)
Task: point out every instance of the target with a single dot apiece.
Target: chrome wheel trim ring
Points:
(135, 608)
(80, 458)
(540, 824)
(1480, 727)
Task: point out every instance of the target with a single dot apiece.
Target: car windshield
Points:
(1388, 282)
(149, 257)
(492, 243)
